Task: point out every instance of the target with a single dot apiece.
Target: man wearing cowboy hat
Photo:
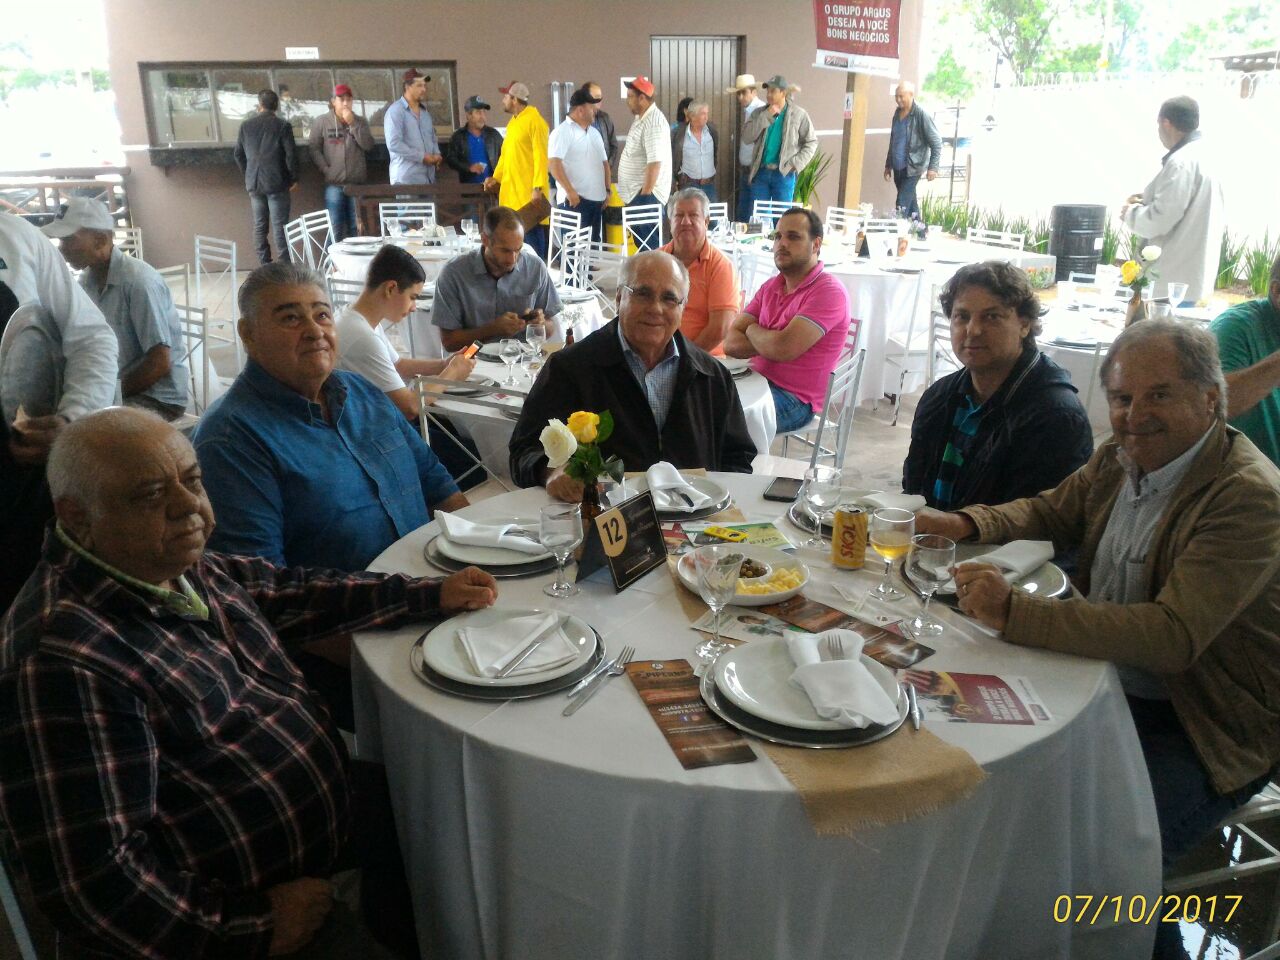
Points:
(744, 87)
(783, 142)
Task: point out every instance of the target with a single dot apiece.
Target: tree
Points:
(948, 80)
(1018, 29)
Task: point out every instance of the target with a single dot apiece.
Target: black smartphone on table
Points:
(783, 489)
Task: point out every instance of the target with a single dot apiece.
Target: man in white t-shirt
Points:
(577, 160)
(391, 290)
(644, 170)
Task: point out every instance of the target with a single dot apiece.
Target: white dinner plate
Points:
(442, 650)
(1047, 580)
(574, 295)
(737, 368)
(720, 498)
(468, 387)
(799, 513)
(364, 241)
(755, 678)
(771, 558)
(491, 556)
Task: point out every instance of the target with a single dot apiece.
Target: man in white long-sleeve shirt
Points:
(1181, 210)
(33, 272)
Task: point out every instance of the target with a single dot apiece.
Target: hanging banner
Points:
(858, 37)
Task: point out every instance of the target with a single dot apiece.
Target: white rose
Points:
(1150, 252)
(558, 443)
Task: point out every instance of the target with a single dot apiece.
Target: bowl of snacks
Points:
(766, 576)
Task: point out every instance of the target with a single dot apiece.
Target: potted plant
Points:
(808, 179)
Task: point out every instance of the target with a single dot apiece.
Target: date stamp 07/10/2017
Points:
(1168, 908)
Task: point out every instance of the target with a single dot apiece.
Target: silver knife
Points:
(914, 705)
(533, 645)
(581, 685)
(589, 691)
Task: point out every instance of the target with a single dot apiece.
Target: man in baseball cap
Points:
(783, 142)
(475, 147)
(517, 90)
(136, 303)
(411, 133)
(339, 143)
(644, 170)
(744, 87)
(521, 174)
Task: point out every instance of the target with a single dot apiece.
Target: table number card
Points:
(627, 539)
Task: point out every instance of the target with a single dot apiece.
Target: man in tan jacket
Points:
(1177, 524)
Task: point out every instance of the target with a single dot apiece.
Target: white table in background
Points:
(531, 835)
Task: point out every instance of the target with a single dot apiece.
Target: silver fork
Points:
(835, 646)
(615, 669)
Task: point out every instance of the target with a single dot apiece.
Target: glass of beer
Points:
(891, 532)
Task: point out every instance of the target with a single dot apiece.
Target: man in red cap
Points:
(339, 142)
(411, 133)
(644, 170)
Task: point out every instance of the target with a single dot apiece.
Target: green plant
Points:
(808, 179)
(1257, 264)
(1230, 258)
(992, 220)
(1114, 237)
(1039, 236)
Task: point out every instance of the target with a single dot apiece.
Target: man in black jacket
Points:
(915, 148)
(265, 155)
(670, 399)
(1009, 424)
(475, 137)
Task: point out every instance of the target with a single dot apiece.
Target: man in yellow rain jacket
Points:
(522, 166)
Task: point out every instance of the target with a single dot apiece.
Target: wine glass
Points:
(535, 334)
(717, 567)
(891, 532)
(929, 566)
(510, 352)
(821, 493)
(560, 531)
(469, 229)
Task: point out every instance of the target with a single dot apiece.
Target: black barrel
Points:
(1076, 237)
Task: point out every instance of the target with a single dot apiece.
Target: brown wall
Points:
(535, 41)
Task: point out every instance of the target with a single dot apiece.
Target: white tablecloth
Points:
(491, 431)
(536, 836)
(351, 260)
(1082, 361)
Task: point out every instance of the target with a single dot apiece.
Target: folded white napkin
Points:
(491, 648)
(901, 501)
(458, 530)
(665, 481)
(1016, 559)
(842, 690)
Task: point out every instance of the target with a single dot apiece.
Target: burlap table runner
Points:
(909, 774)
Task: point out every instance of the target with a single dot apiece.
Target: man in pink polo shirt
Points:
(714, 297)
(793, 330)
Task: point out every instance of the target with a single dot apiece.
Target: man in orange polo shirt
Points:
(714, 296)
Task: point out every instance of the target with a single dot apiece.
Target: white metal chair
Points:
(395, 217)
(642, 221)
(907, 354)
(843, 219)
(754, 268)
(996, 238)
(575, 259)
(562, 222)
(718, 214)
(215, 276)
(309, 238)
(178, 279)
(129, 239)
(204, 382)
(939, 344)
(837, 411)
(343, 293)
(771, 209)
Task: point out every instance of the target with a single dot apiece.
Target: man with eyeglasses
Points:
(793, 330)
(670, 399)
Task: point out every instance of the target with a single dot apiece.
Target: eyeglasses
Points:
(647, 297)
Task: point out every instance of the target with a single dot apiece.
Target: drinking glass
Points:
(891, 532)
(535, 334)
(1177, 293)
(469, 229)
(821, 495)
(510, 352)
(560, 531)
(929, 566)
(717, 567)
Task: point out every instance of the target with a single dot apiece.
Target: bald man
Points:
(915, 148)
(171, 784)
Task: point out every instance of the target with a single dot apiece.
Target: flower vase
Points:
(1137, 309)
(591, 508)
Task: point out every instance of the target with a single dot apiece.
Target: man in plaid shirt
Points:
(171, 785)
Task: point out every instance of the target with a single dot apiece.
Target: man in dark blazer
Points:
(265, 155)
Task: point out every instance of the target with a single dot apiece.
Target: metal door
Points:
(702, 68)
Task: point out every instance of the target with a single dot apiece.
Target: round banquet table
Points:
(528, 834)
(351, 260)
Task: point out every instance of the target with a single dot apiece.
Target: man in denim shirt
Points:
(305, 464)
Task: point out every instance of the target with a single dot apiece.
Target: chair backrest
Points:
(996, 238)
(309, 238)
(843, 219)
(562, 222)
(882, 225)
(343, 293)
(645, 216)
(754, 268)
(772, 209)
(395, 216)
(838, 408)
(129, 239)
(575, 262)
(178, 279)
(215, 288)
(205, 386)
(717, 213)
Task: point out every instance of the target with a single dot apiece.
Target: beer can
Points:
(849, 537)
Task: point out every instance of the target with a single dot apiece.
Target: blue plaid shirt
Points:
(658, 384)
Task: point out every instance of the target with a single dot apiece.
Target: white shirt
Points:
(36, 273)
(582, 153)
(698, 160)
(648, 141)
(367, 351)
(746, 151)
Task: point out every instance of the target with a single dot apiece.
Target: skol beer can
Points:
(849, 537)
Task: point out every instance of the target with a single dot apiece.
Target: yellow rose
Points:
(584, 426)
(1129, 272)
